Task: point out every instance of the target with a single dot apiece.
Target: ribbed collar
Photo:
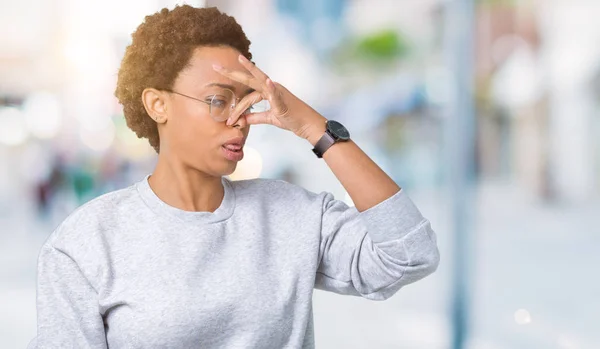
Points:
(223, 212)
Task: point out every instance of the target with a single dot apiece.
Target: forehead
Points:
(200, 72)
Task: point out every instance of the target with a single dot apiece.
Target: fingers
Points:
(253, 69)
(259, 118)
(239, 76)
(257, 79)
(264, 88)
(276, 97)
(243, 105)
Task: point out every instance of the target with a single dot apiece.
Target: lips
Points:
(234, 149)
(237, 141)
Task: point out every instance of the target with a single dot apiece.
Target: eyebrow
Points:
(231, 87)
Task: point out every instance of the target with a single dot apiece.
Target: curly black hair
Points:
(160, 48)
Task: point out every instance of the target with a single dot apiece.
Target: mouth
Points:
(233, 147)
(233, 152)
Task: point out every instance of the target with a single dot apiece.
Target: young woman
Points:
(186, 258)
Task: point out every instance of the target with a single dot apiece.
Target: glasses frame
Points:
(227, 114)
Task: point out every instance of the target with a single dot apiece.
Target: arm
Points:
(371, 250)
(375, 252)
(363, 179)
(67, 304)
(378, 247)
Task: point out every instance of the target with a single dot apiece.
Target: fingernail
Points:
(217, 67)
(243, 58)
(228, 122)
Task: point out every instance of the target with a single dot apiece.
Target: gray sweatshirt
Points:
(126, 270)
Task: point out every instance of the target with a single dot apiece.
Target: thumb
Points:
(258, 118)
(265, 117)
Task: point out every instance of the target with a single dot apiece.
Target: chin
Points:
(228, 169)
(217, 170)
(216, 167)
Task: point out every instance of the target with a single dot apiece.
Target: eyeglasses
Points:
(222, 103)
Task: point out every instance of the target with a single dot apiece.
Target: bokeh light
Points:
(250, 166)
(522, 317)
(13, 130)
(43, 115)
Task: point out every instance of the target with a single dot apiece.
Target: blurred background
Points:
(486, 112)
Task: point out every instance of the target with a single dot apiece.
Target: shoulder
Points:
(86, 220)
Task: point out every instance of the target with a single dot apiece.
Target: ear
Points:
(155, 103)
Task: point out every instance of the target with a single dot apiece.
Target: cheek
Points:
(194, 129)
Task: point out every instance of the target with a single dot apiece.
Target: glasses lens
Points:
(221, 104)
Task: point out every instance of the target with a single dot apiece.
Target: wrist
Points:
(313, 131)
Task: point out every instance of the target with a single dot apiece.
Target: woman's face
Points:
(190, 134)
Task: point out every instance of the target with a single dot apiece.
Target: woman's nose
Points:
(241, 121)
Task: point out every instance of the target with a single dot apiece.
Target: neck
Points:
(186, 188)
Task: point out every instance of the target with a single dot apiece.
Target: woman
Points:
(186, 258)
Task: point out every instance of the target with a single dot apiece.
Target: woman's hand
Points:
(287, 111)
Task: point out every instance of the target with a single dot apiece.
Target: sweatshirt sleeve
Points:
(67, 304)
(376, 252)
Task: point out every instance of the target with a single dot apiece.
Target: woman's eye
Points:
(219, 103)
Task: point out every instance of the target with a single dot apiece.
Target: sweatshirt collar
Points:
(223, 212)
